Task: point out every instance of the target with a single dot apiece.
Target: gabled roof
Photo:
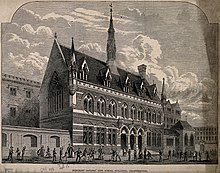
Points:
(96, 66)
(171, 132)
(182, 125)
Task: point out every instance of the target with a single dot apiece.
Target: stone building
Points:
(20, 105)
(99, 103)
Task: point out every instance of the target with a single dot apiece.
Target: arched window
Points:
(140, 114)
(88, 104)
(112, 108)
(191, 140)
(149, 116)
(186, 139)
(108, 78)
(54, 141)
(84, 71)
(154, 117)
(101, 106)
(159, 118)
(55, 94)
(87, 135)
(30, 140)
(133, 113)
(124, 110)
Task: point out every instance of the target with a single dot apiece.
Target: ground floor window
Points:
(112, 136)
(159, 139)
(169, 142)
(154, 139)
(100, 136)
(148, 138)
(87, 135)
(4, 140)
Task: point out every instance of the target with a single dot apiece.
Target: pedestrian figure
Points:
(117, 156)
(140, 154)
(18, 153)
(23, 152)
(10, 154)
(112, 154)
(195, 156)
(173, 153)
(42, 151)
(200, 156)
(54, 154)
(38, 152)
(169, 154)
(181, 155)
(185, 156)
(149, 155)
(145, 153)
(84, 154)
(207, 155)
(160, 156)
(129, 155)
(78, 155)
(135, 154)
(65, 155)
(61, 153)
(48, 152)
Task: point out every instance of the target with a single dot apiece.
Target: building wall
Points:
(206, 134)
(18, 137)
(20, 99)
(55, 120)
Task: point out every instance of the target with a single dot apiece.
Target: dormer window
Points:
(84, 71)
(142, 89)
(108, 78)
(126, 84)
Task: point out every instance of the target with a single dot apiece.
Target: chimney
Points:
(142, 69)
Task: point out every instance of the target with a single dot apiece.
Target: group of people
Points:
(20, 154)
(140, 155)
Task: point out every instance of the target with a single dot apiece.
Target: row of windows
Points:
(140, 114)
(13, 92)
(207, 138)
(55, 101)
(187, 141)
(154, 139)
(103, 136)
(171, 111)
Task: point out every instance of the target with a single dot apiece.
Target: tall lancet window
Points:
(112, 108)
(88, 104)
(108, 78)
(84, 71)
(55, 94)
(140, 114)
(101, 106)
(124, 110)
(133, 113)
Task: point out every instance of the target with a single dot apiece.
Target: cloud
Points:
(91, 47)
(36, 44)
(41, 30)
(17, 39)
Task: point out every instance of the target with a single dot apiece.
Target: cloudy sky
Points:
(170, 38)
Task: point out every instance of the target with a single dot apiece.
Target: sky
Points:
(169, 37)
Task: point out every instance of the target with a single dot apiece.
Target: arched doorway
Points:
(132, 141)
(124, 132)
(140, 142)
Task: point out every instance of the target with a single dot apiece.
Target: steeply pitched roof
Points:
(171, 132)
(96, 66)
(182, 125)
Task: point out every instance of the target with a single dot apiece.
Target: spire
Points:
(55, 35)
(111, 47)
(163, 93)
(73, 57)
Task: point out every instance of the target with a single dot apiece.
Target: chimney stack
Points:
(142, 69)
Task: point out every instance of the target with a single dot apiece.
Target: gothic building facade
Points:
(99, 103)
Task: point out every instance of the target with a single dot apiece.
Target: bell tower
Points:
(111, 46)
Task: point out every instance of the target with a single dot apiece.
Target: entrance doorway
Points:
(123, 141)
(132, 142)
(140, 142)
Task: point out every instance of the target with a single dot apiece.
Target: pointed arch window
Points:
(55, 94)
(148, 116)
(140, 113)
(108, 78)
(159, 118)
(154, 117)
(126, 84)
(101, 106)
(84, 71)
(88, 104)
(133, 113)
(112, 108)
(124, 110)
